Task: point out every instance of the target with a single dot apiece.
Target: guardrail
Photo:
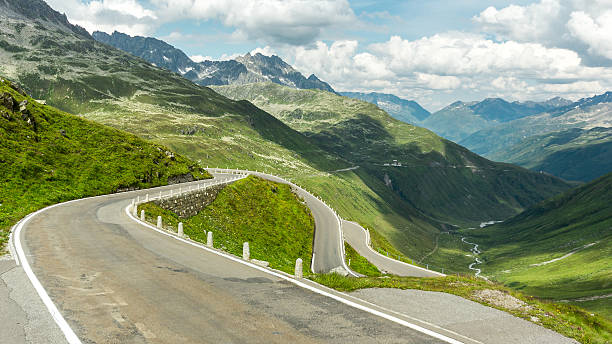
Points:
(243, 174)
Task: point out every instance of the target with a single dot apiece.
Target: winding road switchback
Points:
(115, 281)
(358, 238)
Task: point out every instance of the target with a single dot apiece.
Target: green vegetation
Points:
(48, 156)
(565, 319)
(358, 263)
(440, 184)
(578, 221)
(277, 225)
(573, 154)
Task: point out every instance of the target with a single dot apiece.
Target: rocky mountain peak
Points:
(39, 11)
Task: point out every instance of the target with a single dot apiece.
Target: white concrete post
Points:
(159, 222)
(170, 192)
(245, 251)
(180, 190)
(137, 198)
(142, 217)
(147, 198)
(134, 208)
(180, 229)
(209, 239)
(160, 195)
(298, 268)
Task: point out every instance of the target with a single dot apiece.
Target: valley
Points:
(510, 199)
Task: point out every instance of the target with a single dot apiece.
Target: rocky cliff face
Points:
(243, 70)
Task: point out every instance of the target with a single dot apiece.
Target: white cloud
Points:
(126, 16)
(595, 31)
(438, 82)
(293, 22)
(522, 23)
(266, 51)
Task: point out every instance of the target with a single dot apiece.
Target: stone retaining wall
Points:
(190, 203)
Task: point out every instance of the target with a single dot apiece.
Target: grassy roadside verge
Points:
(358, 263)
(277, 225)
(48, 156)
(565, 319)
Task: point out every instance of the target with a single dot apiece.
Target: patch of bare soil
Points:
(501, 299)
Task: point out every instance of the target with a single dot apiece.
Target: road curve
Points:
(357, 237)
(116, 281)
(328, 248)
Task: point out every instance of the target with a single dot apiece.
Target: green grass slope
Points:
(277, 224)
(577, 222)
(573, 154)
(48, 156)
(73, 72)
(440, 179)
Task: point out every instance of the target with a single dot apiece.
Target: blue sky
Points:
(431, 51)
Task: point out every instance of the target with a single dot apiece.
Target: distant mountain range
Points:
(242, 70)
(495, 128)
(407, 111)
(460, 119)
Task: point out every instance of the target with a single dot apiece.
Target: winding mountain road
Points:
(107, 278)
(115, 281)
(359, 239)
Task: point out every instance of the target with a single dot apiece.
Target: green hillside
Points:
(440, 179)
(48, 156)
(578, 221)
(440, 183)
(274, 221)
(574, 154)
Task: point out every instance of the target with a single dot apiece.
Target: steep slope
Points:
(497, 142)
(573, 154)
(244, 69)
(48, 156)
(404, 110)
(458, 120)
(439, 178)
(102, 83)
(560, 248)
(76, 73)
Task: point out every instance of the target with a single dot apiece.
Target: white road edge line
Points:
(71, 337)
(395, 260)
(303, 285)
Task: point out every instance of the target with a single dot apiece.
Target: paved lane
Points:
(116, 281)
(328, 245)
(356, 236)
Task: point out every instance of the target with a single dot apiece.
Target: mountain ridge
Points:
(243, 69)
(408, 111)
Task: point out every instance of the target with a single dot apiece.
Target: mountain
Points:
(242, 70)
(49, 156)
(409, 207)
(572, 154)
(513, 141)
(559, 249)
(404, 110)
(458, 120)
(439, 178)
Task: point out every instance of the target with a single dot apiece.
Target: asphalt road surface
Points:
(328, 244)
(356, 236)
(116, 281)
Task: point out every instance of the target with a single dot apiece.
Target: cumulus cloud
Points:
(594, 31)
(452, 61)
(294, 22)
(529, 23)
(127, 16)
